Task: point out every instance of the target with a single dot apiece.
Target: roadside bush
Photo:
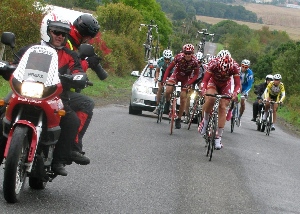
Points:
(126, 55)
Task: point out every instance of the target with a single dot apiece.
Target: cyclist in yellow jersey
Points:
(274, 91)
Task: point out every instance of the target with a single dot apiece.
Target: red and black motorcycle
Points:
(32, 117)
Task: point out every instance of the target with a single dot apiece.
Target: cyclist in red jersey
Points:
(217, 81)
(185, 64)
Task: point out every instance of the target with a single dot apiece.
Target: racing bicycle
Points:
(173, 106)
(201, 44)
(149, 39)
(212, 125)
(269, 120)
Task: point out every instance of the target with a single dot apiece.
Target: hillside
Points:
(276, 18)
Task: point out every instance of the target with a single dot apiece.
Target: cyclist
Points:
(185, 64)
(259, 91)
(161, 67)
(274, 91)
(246, 76)
(200, 58)
(217, 81)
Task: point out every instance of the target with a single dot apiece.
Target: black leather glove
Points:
(93, 61)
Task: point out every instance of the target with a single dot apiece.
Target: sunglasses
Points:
(166, 59)
(58, 33)
(244, 66)
(188, 53)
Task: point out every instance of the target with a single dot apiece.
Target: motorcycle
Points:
(32, 117)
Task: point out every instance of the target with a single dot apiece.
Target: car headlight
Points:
(32, 89)
(143, 89)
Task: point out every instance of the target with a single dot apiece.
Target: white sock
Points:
(219, 132)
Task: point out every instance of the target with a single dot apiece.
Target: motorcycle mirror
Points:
(86, 50)
(8, 38)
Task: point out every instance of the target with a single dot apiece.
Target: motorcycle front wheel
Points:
(15, 168)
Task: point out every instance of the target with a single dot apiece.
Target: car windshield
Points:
(149, 72)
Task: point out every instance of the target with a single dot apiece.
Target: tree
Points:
(23, 19)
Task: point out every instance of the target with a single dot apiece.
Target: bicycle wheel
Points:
(210, 135)
(173, 114)
(191, 114)
(232, 122)
(161, 108)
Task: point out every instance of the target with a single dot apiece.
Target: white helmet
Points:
(246, 62)
(223, 53)
(199, 56)
(167, 54)
(269, 77)
(53, 22)
(277, 77)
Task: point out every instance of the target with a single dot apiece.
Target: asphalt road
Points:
(137, 167)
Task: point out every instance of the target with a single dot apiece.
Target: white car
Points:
(144, 89)
(143, 96)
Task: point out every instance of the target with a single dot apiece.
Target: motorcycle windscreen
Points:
(38, 64)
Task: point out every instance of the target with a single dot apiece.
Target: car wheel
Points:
(134, 111)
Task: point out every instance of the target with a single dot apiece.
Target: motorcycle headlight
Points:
(32, 89)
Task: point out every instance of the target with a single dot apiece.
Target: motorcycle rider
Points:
(68, 63)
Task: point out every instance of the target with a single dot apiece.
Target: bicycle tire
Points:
(161, 108)
(173, 115)
(210, 135)
(191, 116)
(232, 122)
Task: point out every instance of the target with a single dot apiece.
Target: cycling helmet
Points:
(199, 56)
(269, 77)
(277, 77)
(223, 53)
(167, 54)
(188, 48)
(226, 63)
(53, 22)
(87, 25)
(246, 62)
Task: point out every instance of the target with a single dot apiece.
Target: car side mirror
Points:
(135, 73)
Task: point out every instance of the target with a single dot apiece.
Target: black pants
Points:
(83, 106)
(69, 125)
(257, 108)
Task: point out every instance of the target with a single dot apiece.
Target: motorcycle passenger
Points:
(259, 91)
(68, 62)
(185, 64)
(217, 80)
(274, 91)
(162, 64)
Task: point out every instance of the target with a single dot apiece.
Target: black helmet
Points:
(87, 25)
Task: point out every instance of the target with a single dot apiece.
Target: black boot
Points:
(59, 169)
(79, 158)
